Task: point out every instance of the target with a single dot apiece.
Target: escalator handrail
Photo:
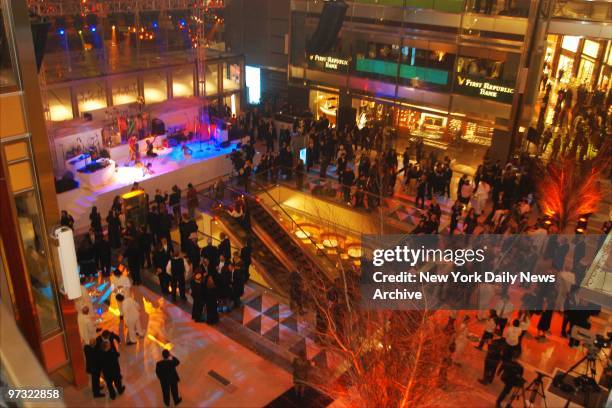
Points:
(276, 203)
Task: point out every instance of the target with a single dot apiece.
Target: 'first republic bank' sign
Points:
(484, 89)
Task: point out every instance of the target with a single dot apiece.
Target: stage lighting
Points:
(155, 24)
(61, 31)
(113, 27)
(93, 29)
(182, 23)
(80, 32)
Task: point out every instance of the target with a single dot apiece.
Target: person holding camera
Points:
(165, 370)
(511, 375)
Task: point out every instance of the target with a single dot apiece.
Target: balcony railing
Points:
(594, 11)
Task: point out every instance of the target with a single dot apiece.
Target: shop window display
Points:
(323, 103)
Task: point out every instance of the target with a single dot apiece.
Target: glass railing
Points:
(450, 6)
(595, 11)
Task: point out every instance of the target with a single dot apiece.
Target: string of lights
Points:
(48, 8)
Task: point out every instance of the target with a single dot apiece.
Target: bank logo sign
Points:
(485, 89)
(328, 62)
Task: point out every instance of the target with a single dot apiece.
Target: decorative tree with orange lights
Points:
(568, 189)
(378, 358)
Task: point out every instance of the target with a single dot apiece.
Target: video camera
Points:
(592, 342)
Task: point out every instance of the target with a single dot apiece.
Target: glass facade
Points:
(60, 104)
(124, 90)
(155, 87)
(94, 94)
(30, 227)
(91, 96)
(182, 82)
(232, 76)
(8, 78)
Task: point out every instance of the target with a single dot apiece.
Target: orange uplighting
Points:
(113, 27)
(565, 193)
(168, 346)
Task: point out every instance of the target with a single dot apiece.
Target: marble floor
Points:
(253, 381)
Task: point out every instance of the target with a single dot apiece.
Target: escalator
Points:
(273, 271)
(275, 253)
(268, 229)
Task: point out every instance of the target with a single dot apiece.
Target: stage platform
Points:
(206, 163)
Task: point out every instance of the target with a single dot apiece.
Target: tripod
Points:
(584, 383)
(534, 388)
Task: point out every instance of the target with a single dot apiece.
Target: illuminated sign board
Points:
(253, 84)
(486, 89)
(328, 62)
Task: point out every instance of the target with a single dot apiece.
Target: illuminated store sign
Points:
(485, 89)
(329, 62)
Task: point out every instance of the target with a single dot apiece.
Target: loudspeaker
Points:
(346, 116)
(330, 22)
(39, 35)
(88, 116)
(158, 127)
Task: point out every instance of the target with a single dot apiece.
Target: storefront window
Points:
(60, 104)
(182, 82)
(212, 79)
(585, 73)
(591, 48)
(566, 65)
(37, 260)
(323, 103)
(570, 43)
(155, 87)
(233, 103)
(124, 91)
(91, 97)
(8, 79)
(231, 77)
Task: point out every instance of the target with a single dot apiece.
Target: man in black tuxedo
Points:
(168, 377)
(211, 253)
(225, 247)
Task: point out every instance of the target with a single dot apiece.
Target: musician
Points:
(133, 142)
(150, 148)
(187, 152)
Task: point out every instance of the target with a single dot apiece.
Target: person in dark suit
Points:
(225, 247)
(210, 296)
(109, 357)
(161, 257)
(197, 293)
(246, 254)
(495, 354)
(168, 377)
(134, 258)
(93, 368)
(211, 253)
(103, 253)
